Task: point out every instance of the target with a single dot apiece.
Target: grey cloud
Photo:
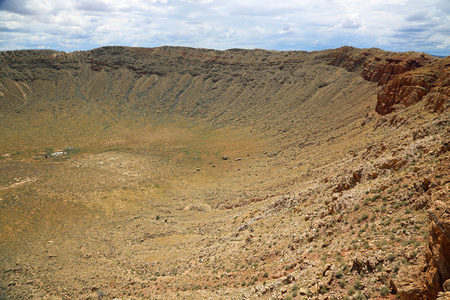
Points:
(194, 22)
(16, 6)
(408, 36)
(200, 1)
(417, 16)
(259, 11)
(429, 26)
(5, 29)
(415, 28)
(95, 6)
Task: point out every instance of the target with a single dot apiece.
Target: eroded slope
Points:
(178, 172)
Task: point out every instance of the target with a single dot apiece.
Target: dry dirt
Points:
(178, 173)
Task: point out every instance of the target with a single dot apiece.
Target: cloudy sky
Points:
(69, 25)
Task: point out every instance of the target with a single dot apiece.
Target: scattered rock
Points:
(288, 279)
(393, 163)
(444, 148)
(303, 291)
(58, 153)
(363, 263)
(443, 296)
(372, 175)
(446, 285)
(425, 184)
(357, 176)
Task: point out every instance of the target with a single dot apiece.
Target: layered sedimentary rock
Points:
(406, 78)
(430, 84)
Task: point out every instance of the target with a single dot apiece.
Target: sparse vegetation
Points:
(193, 182)
(384, 291)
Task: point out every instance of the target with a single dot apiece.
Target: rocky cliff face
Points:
(376, 65)
(428, 84)
(406, 78)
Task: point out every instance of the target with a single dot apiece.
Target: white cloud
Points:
(398, 25)
(352, 22)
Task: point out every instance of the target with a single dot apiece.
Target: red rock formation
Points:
(383, 70)
(347, 57)
(408, 77)
(429, 83)
(437, 100)
(404, 90)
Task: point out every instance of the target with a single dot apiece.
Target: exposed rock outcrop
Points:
(408, 77)
(438, 251)
(430, 84)
(382, 70)
(409, 284)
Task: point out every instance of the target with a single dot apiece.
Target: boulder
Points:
(409, 284)
(446, 285)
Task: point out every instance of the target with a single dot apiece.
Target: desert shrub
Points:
(289, 267)
(384, 290)
(395, 268)
(380, 268)
(351, 291)
(323, 289)
(360, 296)
(376, 197)
(391, 257)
